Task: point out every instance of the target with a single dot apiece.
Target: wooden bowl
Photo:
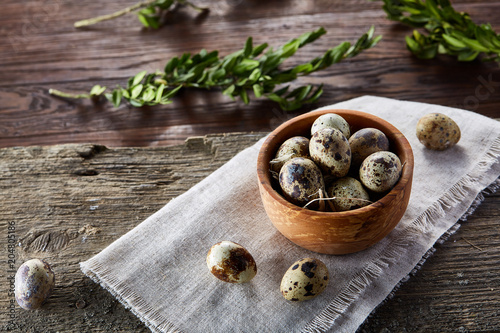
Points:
(335, 232)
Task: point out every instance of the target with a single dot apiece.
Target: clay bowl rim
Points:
(264, 157)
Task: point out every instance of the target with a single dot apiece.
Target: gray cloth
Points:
(158, 269)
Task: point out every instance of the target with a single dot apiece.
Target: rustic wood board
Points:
(40, 49)
(66, 203)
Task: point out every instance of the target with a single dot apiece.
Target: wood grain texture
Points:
(40, 49)
(66, 203)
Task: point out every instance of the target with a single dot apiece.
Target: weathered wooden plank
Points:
(65, 203)
(39, 53)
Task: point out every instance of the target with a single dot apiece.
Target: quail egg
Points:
(231, 262)
(304, 280)
(33, 283)
(437, 131)
(365, 142)
(330, 150)
(331, 120)
(380, 171)
(301, 180)
(297, 146)
(349, 194)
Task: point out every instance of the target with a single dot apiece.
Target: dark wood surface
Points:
(49, 191)
(65, 203)
(40, 49)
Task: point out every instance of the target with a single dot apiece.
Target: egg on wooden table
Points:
(231, 262)
(34, 282)
(304, 280)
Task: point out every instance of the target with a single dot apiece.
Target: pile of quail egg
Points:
(333, 170)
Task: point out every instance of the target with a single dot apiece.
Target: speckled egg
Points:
(301, 180)
(380, 171)
(33, 283)
(331, 120)
(297, 146)
(231, 262)
(304, 280)
(437, 131)
(349, 192)
(365, 142)
(330, 150)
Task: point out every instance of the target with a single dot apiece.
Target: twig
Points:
(114, 15)
(192, 5)
(63, 94)
(473, 245)
(334, 198)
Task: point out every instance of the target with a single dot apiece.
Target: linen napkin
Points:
(158, 269)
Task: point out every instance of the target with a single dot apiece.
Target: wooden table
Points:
(65, 202)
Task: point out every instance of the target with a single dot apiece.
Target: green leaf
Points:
(172, 92)
(315, 95)
(218, 74)
(484, 37)
(229, 90)
(258, 50)
(241, 82)
(468, 55)
(258, 90)
(454, 42)
(282, 91)
(171, 64)
(138, 78)
(116, 97)
(247, 50)
(149, 21)
(149, 94)
(136, 91)
(245, 65)
(125, 94)
(474, 44)
(148, 10)
(255, 75)
(290, 48)
(109, 97)
(97, 90)
(303, 68)
(136, 103)
(433, 9)
(275, 98)
(303, 92)
(412, 44)
(244, 96)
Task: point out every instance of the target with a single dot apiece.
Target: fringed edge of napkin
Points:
(326, 319)
(130, 300)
